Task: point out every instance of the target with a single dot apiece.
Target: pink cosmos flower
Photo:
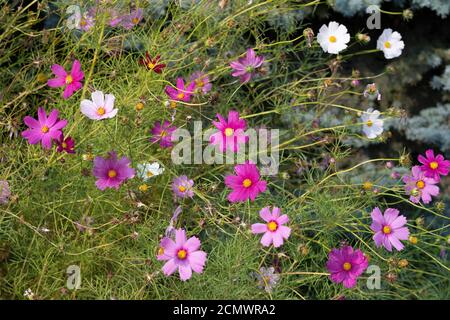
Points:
(346, 265)
(71, 81)
(180, 93)
(273, 229)
(65, 144)
(87, 22)
(112, 172)
(231, 132)
(5, 192)
(115, 17)
(246, 184)
(419, 186)
(163, 134)
(182, 255)
(389, 229)
(201, 81)
(245, 68)
(133, 19)
(434, 166)
(182, 187)
(101, 106)
(45, 129)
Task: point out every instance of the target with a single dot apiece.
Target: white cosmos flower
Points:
(101, 106)
(390, 43)
(149, 170)
(333, 38)
(372, 125)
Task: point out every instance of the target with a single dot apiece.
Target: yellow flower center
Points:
(420, 184)
(434, 165)
(69, 79)
(173, 104)
(101, 111)
(143, 187)
(182, 188)
(139, 106)
(163, 133)
(44, 129)
(180, 95)
(149, 174)
(199, 83)
(347, 266)
(229, 132)
(367, 185)
(332, 39)
(135, 20)
(247, 183)
(64, 145)
(83, 22)
(272, 226)
(160, 251)
(387, 44)
(112, 173)
(369, 123)
(181, 254)
(150, 65)
(387, 230)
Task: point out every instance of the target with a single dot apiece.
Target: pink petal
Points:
(170, 267)
(192, 244)
(197, 260)
(185, 272)
(265, 214)
(266, 239)
(259, 228)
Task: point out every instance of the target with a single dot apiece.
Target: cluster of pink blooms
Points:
(183, 254)
(421, 184)
(126, 19)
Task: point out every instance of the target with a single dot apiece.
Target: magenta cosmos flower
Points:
(389, 229)
(162, 133)
(182, 187)
(246, 184)
(45, 129)
(231, 132)
(112, 172)
(182, 255)
(273, 229)
(434, 166)
(346, 265)
(245, 68)
(65, 144)
(71, 81)
(180, 93)
(201, 81)
(418, 186)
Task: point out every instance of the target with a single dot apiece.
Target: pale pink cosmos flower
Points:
(246, 67)
(111, 172)
(418, 186)
(101, 106)
(389, 228)
(434, 166)
(274, 230)
(182, 255)
(202, 83)
(182, 187)
(5, 192)
(71, 82)
(133, 19)
(231, 132)
(44, 129)
(246, 184)
(346, 265)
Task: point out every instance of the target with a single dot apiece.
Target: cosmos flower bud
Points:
(408, 14)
